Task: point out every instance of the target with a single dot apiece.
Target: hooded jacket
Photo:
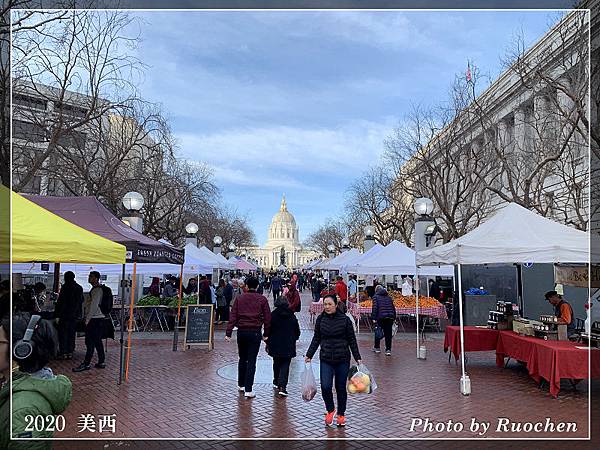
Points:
(32, 396)
(383, 306)
(293, 298)
(335, 334)
(285, 331)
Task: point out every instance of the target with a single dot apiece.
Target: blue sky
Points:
(301, 102)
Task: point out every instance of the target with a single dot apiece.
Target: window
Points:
(70, 110)
(28, 131)
(29, 102)
(74, 139)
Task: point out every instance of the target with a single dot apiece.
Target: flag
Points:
(468, 72)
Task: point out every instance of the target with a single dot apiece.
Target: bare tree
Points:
(332, 232)
(69, 75)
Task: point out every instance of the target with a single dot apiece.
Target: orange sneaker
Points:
(341, 421)
(329, 418)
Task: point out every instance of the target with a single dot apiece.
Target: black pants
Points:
(223, 313)
(248, 347)
(339, 372)
(281, 371)
(316, 296)
(386, 325)
(93, 340)
(276, 293)
(66, 336)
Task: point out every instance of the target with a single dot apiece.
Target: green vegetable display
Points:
(149, 300)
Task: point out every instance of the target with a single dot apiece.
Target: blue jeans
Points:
(339, 371)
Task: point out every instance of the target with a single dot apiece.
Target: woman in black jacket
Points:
(334, 332)
(383, 314)
(68, 311)
(285, 331)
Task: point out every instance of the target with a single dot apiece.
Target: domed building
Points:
(283, 243)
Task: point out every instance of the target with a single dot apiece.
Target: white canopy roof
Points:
(513, 235)
(311, 265)
(396, 259)
(204, 257)
(111, 269)
(341, 259)
(352, 265)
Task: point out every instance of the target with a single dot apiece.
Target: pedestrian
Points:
(36, 390)
(68, 311)
(293, 297)
(285, 331)
(276, 286)
(228, 293)
(94, 325)
(250, 313)
(334, 333)
(221, 302)
(383, 314)
(352, 288)
(155, 287)
(341, 290)
(316, 288)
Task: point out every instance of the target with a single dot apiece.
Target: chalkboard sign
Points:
(199, 326)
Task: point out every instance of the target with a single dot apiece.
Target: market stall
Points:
(242, 264)
(512, 235)
(89, 213)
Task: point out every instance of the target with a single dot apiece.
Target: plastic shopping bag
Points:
(395, 328)
(352, 320)
(309, 384)
(360, 380)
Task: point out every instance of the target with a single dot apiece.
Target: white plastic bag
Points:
(352, 320)
(360, 380)
(309, 384)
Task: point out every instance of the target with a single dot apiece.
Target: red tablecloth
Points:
(476, 339)
(550, 360)
(436, 311)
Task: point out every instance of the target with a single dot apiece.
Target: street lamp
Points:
(331, 250)
(423, 206)
(345, 244)
(232, 248)
(217, 240)
(191, 229)
(369, 241)
(424, 223)
(133, 203)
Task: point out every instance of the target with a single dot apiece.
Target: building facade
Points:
(283, 243)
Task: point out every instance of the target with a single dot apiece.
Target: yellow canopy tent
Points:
(39, 235)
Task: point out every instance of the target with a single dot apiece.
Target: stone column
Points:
(502, 138)
(540, 115)
(520, 129)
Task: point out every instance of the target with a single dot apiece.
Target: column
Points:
(540, 115)
(502, 137)
(520, 129)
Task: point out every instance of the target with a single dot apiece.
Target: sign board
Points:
(199, 329)
(577, 275)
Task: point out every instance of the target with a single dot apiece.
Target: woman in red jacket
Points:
(293, 297)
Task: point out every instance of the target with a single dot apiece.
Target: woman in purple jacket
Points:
(384, 315)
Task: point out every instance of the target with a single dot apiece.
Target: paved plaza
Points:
(192, 394)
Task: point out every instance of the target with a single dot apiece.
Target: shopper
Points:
(68, 311)
(285, 331)
(352, 288)
(221, 302)
(250, 313)
(94, 325)
(276, 286)
(383, 314)
(155, 287)
(36, 391)
(316, 287)
(334, 333)
(293, 297)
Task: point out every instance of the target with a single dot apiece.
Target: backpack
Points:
(106, 304)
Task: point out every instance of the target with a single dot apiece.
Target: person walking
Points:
(228, 293)
(276, 286)
(68, 310)
(316, 287)
(285, 331)
(221, 302)
(250, 313)
(352, 288)
(383, 314)
(334, 333)
(293, 297)
(94, 325)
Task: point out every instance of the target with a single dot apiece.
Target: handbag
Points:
(379, 332)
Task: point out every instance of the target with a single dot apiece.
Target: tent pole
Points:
(417, 310)
(130, 327)
(198, 287)
(176, 331)
(465, 383)
(122, 324)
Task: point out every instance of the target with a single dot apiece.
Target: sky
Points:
(301, 102)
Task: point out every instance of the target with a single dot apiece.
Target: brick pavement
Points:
(180, 395)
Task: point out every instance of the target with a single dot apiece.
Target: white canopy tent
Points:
(395, 259)
(352, 265)
(512, 235)
(313, 264)
(203, 256)
(341, 259)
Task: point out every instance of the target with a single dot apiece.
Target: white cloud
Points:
(252, 156)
